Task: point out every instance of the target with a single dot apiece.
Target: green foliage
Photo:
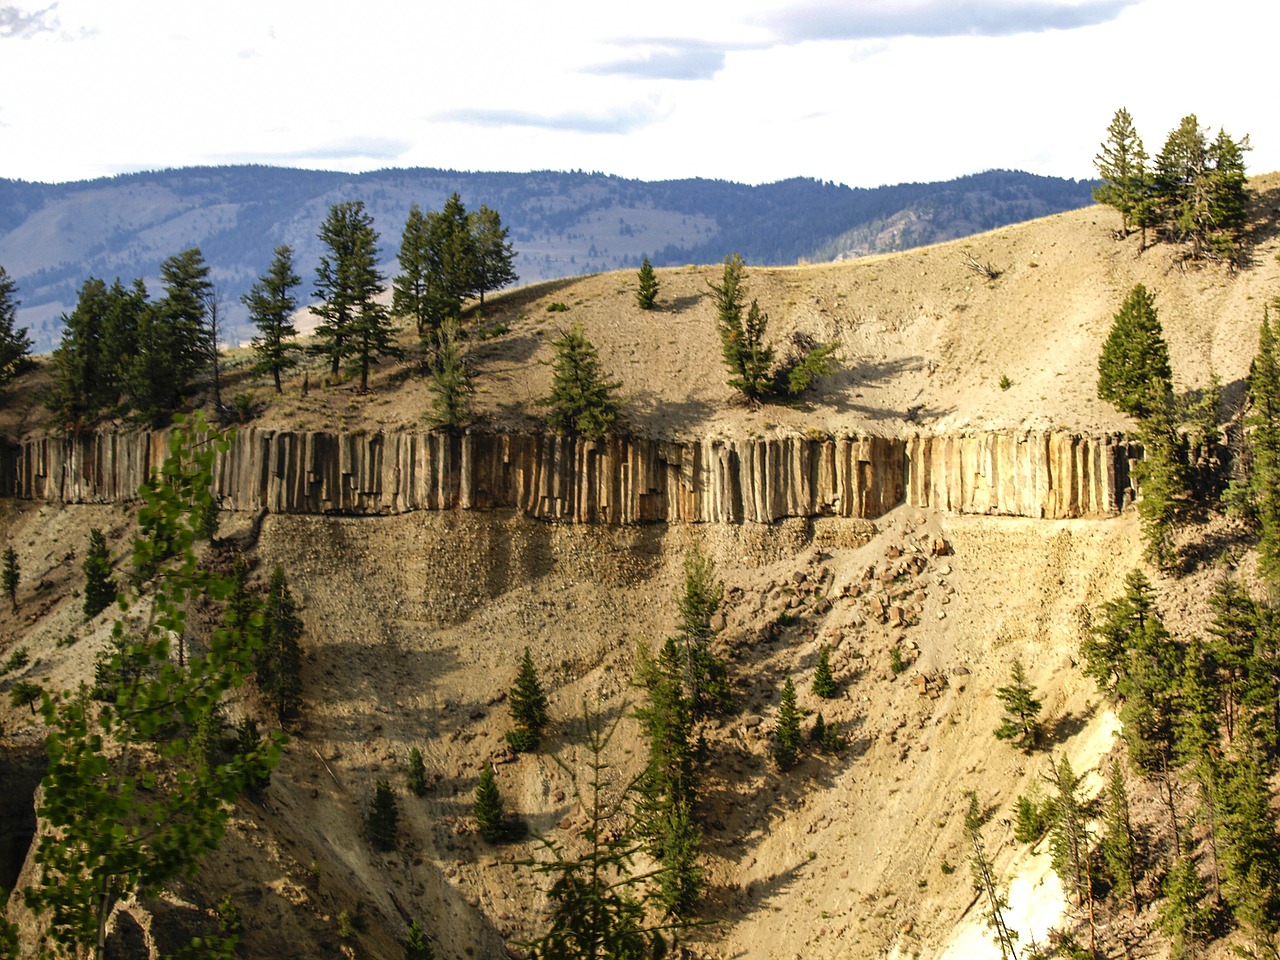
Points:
(1251, 846)
(1183, 915)
(1069, 841)
(1005, 382)
(450, 382)
(491, 819)
(128, 801)
(1164, 482)
(494, 257)
(984, 879)
(16, 660)
(183, 314)
(1123, 619)
(581, 399)
(1133, 370)
(1021, 721)
(382, 820)
(417, 773)
(10, 573)
(413, 287)
(786, 732)
(597, 900)
(1122, 166)
(824, 682)
(1264, 447)
(669, 787)
(279, 660)
(1032, 819)
(354, 324)
(528, 708)
(701, 594)
(557, 307)
(416, 944)
(99, 586)
(25, 693)
(815, 361)
(896, 662)
(742, 343)
(1118, 843)
(271, 305)
(647, 291)
(826, 736)
(15, 344)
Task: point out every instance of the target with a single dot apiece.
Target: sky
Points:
(860, 92)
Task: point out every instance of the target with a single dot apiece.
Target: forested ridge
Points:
(562, 223)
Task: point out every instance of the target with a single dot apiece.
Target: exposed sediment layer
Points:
(617, 480)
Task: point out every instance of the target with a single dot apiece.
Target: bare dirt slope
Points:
(415, 624)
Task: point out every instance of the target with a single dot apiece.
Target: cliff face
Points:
(620, 480)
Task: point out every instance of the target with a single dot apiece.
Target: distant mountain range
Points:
(54, 236)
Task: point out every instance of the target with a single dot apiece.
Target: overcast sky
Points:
(862, 92)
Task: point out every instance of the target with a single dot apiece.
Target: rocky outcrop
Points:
(620, 480)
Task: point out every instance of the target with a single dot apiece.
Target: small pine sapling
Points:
(9, 574)
(491, 820)
(786, 734)
(99, 587)
(528, 708)
(1021, 709)
(824, 683)
(417, 773)
(383, 818)
(416, 944)
(647, 293)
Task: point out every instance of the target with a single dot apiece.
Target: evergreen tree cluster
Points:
(15, 343)
(1193, 192)
(747, 354)
(1202, 713)
(446, 258)
(582, 400)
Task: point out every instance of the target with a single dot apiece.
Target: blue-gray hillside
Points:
(54, 236)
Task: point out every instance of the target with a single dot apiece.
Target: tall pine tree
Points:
(271, 304)
(15, 344)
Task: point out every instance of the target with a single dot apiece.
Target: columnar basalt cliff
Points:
(619, 480)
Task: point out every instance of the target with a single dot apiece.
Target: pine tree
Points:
(1022, 709)
(450, 379)
(598, 901)
(824, 683)
(99, 587)
(1119, 846)
(123, 820)
(271, 305)
(742, 342)
(1163, 479)
(491, 819)
(786, 733)
(411, 287)
(1183, 916)
(1122, 165)
(1264, 444)
(454, 251)
(701, 593)
(581, 399)
(1069, 831)
(528, 708)
(279, 660)
(9, 574)
(417, 773)
(1133, 370)
(354, 324)
(647, 292)
(416, 944)
(382, 821)
(1252, 848)
(183, 314)
(984, 879)
(15, 344)
(494, 257)
(669, 785)
(1106, 649)
(1236, 621)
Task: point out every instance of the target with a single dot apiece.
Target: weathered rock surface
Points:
(620, 480)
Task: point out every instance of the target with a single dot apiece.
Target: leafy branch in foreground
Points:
(130, 800)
